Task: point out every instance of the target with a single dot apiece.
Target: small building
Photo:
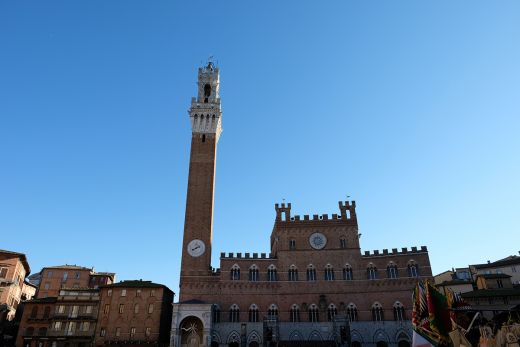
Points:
(54, 278)
(493, 281)
(456, 280)
(35, 322)
(13, 288)
(66, 320)
(509, 266)
(65, 309)
(456, 286)
(495, 294)
(134, 313)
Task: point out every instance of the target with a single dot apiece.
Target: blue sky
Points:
(411, 108)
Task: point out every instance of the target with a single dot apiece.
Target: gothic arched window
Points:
(42, 331)
(329, 273)
(311, 273)
(377, 312)
(271, 273)
(399, 311)
(293, 273)
(295, 313)
(216, 314)
(413, 269)
(234, 313)
(371, 272)
(207, 92)
(253, 273)
(347, 273)
(235, 273)
(314, 313)
(352, 312)
(332, 311)
(342, 242)
(391, 270)
(253, 313)
(272, 312)
(34, 312)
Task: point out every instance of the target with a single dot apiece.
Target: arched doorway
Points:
(191, 332)
(234, 344)
(356, 344)
(403, 343)
(214, 344)
(381, 344)
(254, 344)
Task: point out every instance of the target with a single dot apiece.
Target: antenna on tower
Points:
(210, 62)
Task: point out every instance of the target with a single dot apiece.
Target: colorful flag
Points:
(430, 315)
(419, 341)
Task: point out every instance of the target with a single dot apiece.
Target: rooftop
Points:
(82, 268)
(444, 272)
(22, 257)
(485, 293)
(104, 274)
(454, 282)
(69, 267)
(135, 284)
(42, 300)
(493, 276)
(511, 260)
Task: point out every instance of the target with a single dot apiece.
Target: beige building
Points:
(494, 294)
(456, 280)
(508, 266)
(490, 288)
(14, 268)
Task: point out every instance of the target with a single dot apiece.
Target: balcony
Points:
(38, 318)
(68, 334)
(30, 332)
(137, 338)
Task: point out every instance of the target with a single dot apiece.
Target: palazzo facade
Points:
(314, 288)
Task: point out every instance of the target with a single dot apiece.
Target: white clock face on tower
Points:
(317, 240)
(196, 248)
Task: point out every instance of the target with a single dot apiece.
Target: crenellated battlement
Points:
(231, 255)
(347, 212)
(283, 212)
(395, 251)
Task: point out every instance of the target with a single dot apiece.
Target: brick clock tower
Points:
(314, 285)
(206, 126)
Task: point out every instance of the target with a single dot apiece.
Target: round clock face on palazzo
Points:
(196, 248)
(317, 240)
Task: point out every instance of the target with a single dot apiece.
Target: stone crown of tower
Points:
(205, 111)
